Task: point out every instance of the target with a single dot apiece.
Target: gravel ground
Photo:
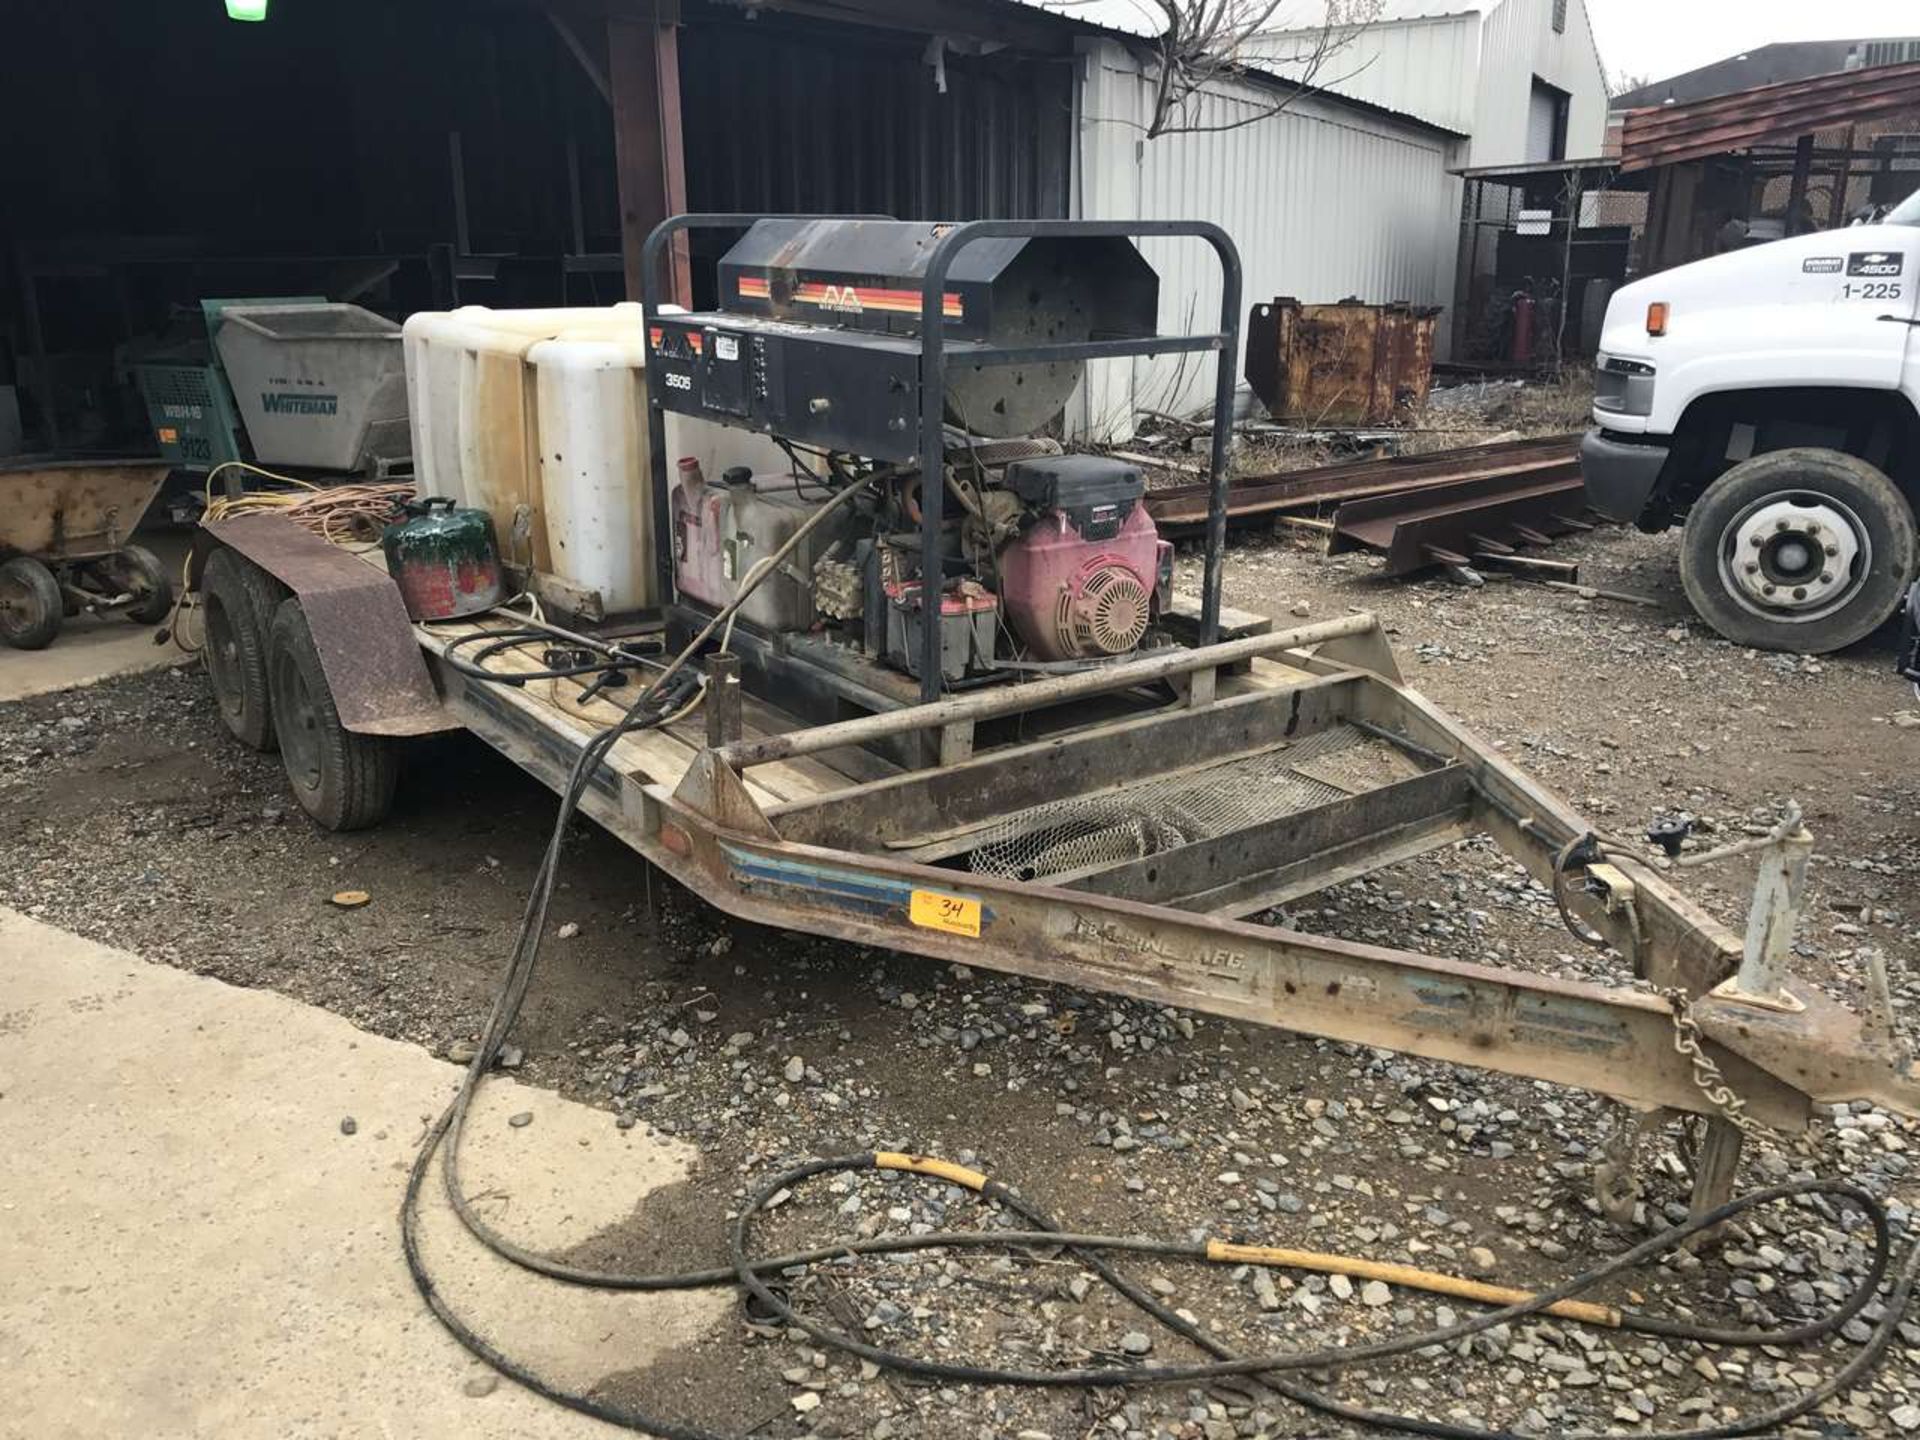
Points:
(128, 815)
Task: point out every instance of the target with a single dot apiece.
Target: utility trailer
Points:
(1120, 826)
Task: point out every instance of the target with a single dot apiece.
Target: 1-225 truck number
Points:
(1872, 290)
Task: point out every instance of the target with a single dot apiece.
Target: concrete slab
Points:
(89, 649)
(92, 648)
(189, 1246)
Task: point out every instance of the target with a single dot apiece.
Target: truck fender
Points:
(366, 643)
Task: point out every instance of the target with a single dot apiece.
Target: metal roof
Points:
(1669, 134)
(1145, 19)
(1315, 14)
(1779, 63)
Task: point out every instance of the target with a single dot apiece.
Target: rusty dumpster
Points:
(1344, 364)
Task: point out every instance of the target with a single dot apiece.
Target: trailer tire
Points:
(237, 606)
(31, 605)
(141, 571)
(1806, 551)
(343, 780)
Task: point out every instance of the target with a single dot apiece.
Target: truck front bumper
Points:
(1620, 474)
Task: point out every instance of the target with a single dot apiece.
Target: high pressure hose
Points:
(746, 1272)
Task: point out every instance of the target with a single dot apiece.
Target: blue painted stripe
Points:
(820, 884)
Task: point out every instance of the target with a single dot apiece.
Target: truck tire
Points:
(343, 780)
(1806, 551)
(31, 606)
(237, 602)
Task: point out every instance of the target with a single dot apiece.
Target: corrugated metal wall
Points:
(1517, 43)
(1324, 202)
(1420, 67)
(788, 117)
(1470, 72)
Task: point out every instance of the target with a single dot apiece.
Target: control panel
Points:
(837, 389)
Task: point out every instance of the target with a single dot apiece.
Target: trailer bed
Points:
(1130, 829)
(663, 755)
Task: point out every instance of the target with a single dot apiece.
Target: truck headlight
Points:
(1623, 387)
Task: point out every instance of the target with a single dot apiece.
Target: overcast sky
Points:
(1657, 38)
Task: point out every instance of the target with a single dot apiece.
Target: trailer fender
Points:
(359, 624)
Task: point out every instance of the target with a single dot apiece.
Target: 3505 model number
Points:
(1875, 290)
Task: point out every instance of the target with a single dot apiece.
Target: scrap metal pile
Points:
(1465, 508)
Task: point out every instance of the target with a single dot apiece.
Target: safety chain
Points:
(1706, 1072)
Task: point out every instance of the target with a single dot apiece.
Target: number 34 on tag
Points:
(954, 914)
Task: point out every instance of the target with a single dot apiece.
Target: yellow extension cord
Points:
(1222, 1252)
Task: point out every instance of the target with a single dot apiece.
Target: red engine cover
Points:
(1071, 598)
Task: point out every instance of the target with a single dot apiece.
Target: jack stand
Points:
(1777, 892)
(1716, 1165)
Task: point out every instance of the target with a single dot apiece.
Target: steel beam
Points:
(643, 68)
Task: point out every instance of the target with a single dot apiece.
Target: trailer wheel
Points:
(31, 607)
(1804, 550)
(343, 780)
(237, 608)
(138, 569)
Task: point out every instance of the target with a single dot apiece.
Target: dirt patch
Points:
(128, 815)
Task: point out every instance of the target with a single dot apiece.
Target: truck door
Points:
(1901, 315)
(1872, 288)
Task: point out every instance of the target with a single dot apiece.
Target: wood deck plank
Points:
(652, 755)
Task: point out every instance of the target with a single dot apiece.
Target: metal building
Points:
(1351, 191)
(1329, 199)
(517, 152)
(1522, 78)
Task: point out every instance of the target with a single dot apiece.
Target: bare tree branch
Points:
(1203, 41)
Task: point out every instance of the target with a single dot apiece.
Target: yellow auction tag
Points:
(931, 910)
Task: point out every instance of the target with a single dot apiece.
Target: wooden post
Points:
(723, 700)
(643, 68)
(1837, 202)
(1802, 174)
(1200, 688)
(956, 742)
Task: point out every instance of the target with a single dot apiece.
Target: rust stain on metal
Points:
(1669, 134)
(366, 644)
(1345, 364)
(74, 509)
(1453, 522)
(1551, 457)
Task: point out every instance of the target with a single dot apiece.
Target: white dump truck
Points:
(1769, 401)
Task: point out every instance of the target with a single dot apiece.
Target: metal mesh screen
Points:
(176, 385)
(1134, 821)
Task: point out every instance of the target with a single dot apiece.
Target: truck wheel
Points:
(31, 607)
(1800, 550)
(237, 606)
(343, 780)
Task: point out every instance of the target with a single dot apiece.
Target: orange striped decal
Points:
(851, 299)
(854, 298)
(695, 340)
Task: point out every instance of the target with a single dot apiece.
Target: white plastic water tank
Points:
(547, 409)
